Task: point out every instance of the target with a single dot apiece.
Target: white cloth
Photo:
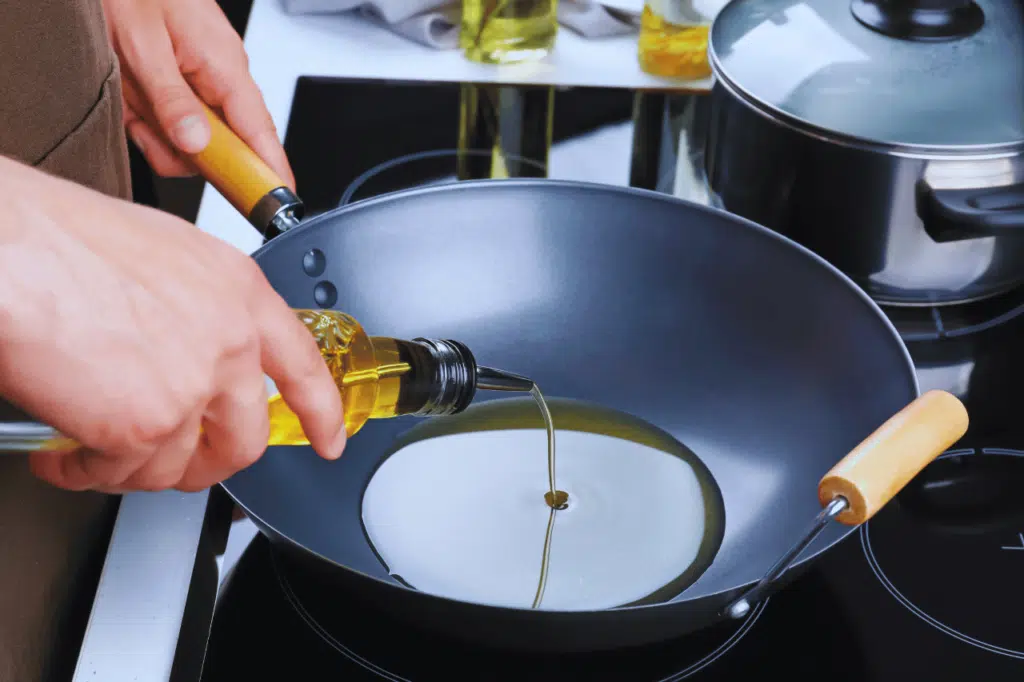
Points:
(435, 23)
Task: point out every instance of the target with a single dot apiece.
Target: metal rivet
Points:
(325, 294)
(314, 262)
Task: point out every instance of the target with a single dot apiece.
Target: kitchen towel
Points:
(435, 23)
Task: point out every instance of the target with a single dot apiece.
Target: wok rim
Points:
(468, 185)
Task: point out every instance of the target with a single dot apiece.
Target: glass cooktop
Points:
(928, 590)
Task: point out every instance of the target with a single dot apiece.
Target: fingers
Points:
(173, 52)
(149, 55)
(200, 454)
(235, 430)
(85, 469)
(226, 84)
(217, 441)
(290, 357)
(65, 469)
(162, 157)
(165, 468)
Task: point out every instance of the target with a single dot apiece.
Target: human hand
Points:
(145, 340)
(173, 52)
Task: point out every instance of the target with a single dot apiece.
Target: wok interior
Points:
(754, 354)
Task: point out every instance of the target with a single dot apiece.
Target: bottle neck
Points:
(450, 375)
(432, 377)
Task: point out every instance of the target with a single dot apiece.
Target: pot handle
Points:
(869, 476)
(958, 214)
(874, 471)
(246, 181)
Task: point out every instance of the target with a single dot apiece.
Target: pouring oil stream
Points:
(556, 499)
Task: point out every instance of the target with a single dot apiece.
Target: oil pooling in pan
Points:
(459, 509)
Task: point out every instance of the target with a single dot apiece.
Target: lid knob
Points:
(922, 20)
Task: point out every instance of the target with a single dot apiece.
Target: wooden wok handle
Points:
(245, 180)
(882, 464)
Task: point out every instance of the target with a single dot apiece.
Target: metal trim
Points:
(137, 614)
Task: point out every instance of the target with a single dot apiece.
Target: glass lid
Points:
(907, 73)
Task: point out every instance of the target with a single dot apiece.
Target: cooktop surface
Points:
(928, 589)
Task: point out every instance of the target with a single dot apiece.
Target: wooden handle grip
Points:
(882, 464)
(234, 169)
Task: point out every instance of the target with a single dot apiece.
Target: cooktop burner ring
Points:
(906, 602)
(296, 603)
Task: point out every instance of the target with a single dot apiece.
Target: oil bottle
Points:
(674, 37)
(508, 31)
(381, 377)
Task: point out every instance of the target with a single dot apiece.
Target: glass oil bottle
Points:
(674, 37)
(381, 377)
(508, 31)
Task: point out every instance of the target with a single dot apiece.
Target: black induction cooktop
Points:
(927, 590)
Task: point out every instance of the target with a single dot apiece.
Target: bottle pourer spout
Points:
(499, 380)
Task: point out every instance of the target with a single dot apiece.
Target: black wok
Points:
(758, 355)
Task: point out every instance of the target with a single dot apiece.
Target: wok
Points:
(762, 358)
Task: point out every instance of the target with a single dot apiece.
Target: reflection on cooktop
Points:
(951, 548)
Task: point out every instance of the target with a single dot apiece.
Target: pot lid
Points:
(908, 73)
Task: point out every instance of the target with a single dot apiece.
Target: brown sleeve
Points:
(60, 107)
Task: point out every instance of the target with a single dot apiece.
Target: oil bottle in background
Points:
(381, 377)
(674, 37)
(508, 31)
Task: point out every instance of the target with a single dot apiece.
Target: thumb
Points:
(175, 106)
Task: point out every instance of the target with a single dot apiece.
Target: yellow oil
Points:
(557, 500)
(508, 31)
(673, 51)
(368, 371)
(454, 509)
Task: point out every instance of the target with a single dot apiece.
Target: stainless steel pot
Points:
(885, 135)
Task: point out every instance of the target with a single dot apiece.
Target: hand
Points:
(170, 52)
(129, 330)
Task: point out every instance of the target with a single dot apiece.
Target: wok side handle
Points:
(246, 181)
(864, 481)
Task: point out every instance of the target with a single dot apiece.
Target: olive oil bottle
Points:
(508, 31)
(381, 377)
(674, 38)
